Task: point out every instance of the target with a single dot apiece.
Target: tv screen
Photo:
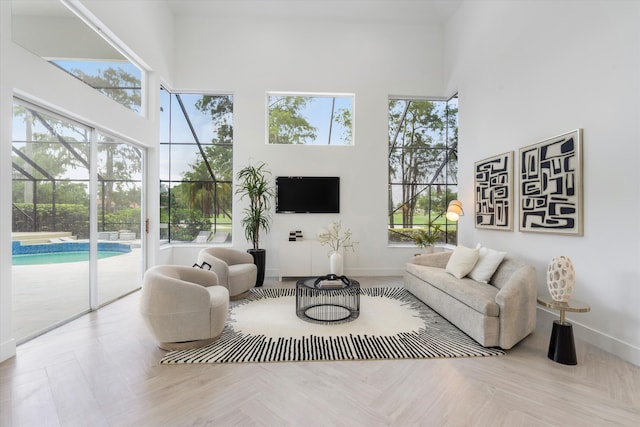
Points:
(308, 194)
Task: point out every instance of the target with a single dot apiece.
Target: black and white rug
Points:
(393, 324)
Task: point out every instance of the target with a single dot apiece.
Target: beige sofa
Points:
(495, 314)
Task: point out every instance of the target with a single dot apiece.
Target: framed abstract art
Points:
(494, 192)
(551, 185)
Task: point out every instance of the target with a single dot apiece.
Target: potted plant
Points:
(426, 237)
(336, 239)
(254, 183)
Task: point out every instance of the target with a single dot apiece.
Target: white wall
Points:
(7, 343)
(527, 71)
(250, 56)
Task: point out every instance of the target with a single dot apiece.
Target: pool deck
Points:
(47, 294)
(33, 237)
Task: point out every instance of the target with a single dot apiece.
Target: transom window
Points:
(118, 80)
(310, 119)
(64, 35)
(423, 166)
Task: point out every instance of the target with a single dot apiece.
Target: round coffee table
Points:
(328, 299)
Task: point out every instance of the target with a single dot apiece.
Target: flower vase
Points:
(335, 263)
(561, 278)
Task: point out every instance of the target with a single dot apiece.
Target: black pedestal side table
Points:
(562, 347)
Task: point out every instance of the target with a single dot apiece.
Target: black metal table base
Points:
(327, 305)
(562, 348)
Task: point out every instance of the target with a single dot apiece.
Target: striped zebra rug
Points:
(393, 324)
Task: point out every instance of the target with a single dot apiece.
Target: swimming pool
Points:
(56, 253)
(58, 257)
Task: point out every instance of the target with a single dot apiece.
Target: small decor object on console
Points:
(561, 278)
(295, 235)
(336, 239)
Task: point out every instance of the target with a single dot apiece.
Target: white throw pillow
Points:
(462, 261)
(488, 262)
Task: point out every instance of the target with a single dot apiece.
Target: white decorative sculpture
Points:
(561, 278)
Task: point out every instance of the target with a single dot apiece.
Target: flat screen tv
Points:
(307, 194)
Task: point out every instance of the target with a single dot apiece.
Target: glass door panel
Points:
(120, 224)
(50, 220)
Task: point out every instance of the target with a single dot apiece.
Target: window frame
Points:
(327, 134)
(446, 167)
(168, 183)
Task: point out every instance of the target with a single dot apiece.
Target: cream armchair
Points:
(183, 307)
(235, 269)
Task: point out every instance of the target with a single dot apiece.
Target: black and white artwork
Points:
(494, 192)
(551, 185)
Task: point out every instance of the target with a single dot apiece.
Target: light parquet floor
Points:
(103, 370)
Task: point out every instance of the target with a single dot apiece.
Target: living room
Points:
(524, 71)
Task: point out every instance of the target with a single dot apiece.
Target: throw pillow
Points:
(487, 264)
(462, 261)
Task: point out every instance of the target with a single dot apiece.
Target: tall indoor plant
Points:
(254, 183)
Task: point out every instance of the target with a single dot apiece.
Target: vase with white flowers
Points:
(337, 239)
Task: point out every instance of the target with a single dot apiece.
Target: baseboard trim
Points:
(355, 272)
(623, 350)
(7, 350)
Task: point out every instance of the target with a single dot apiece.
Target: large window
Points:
(325, 119)
(196, 168)
(423, 165)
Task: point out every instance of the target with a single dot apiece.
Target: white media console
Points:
(303, 258)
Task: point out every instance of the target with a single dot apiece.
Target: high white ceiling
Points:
(410, 11)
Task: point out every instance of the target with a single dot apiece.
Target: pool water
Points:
(59, 257)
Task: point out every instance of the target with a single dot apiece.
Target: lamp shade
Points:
(454, 211)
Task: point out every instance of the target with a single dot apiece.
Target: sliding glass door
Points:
(76, 233)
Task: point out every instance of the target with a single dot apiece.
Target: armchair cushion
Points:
(235, 269)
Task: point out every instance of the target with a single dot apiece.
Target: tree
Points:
(116, 83)
(286, 125)
(117, 164)
(55, 152)
(211, 175)
(343, 117)
(417, 152)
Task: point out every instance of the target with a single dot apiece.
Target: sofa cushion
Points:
(479, 296)
(487, 264)
(462, 261)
